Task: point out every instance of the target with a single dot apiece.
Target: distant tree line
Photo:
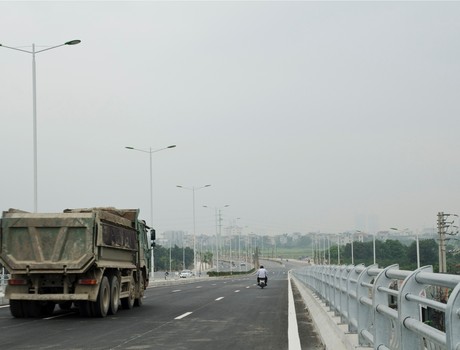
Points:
(181, 258)
(390, 252)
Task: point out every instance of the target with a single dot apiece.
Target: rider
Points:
(262, 273)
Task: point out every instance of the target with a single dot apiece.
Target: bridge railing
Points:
(390, 308)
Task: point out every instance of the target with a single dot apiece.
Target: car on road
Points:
(185, 274)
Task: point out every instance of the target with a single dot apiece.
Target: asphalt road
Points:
(230, 313)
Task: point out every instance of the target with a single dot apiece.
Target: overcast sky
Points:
(303, 116)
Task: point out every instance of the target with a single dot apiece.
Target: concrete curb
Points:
(334, 335)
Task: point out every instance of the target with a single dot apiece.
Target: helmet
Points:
(261, 266)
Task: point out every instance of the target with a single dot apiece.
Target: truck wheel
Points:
(114, 295)
(128, 302)
(138, 301)
(102, 304)
(17, 308)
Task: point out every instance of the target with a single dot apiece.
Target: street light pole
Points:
(218, 230)
(34, 103)
(150, 151)
(193, 189)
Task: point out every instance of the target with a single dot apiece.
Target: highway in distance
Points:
(214, 313)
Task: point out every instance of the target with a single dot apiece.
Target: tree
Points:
(178, 256)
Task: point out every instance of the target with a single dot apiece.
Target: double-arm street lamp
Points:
(34, 100)
(193, 189)
(150, 152)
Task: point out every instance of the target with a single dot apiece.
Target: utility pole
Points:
(442, 226)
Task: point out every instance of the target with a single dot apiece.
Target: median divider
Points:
(157, 282)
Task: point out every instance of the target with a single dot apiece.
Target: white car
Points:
(185, 274)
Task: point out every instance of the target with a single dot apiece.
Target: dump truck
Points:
(93, 259)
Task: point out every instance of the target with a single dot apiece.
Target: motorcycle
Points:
(261, 284)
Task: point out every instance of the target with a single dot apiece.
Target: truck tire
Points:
(114, 295)
(138, 301)
(102, 304)
(17, 308)
(128, 302)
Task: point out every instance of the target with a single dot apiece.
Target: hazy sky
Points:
(303, 116)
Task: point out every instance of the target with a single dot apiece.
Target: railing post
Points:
(344, 293)
(352, 307)
(328, 285)
(318, 280)
(409, 339)
(384, 332)
(337, 273)
(453, 320)
(365, 316)
(322, 292)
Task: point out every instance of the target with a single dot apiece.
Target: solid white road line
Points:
(61, 315)
(293, 329)
(182, 316)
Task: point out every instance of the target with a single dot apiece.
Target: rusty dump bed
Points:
(68, 242)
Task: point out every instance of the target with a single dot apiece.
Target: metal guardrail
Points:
(391, 309)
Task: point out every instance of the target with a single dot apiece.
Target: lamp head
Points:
(73, 42)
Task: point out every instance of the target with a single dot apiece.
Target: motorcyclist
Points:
(262, 273)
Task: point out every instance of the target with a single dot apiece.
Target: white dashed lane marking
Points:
(183, 315)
